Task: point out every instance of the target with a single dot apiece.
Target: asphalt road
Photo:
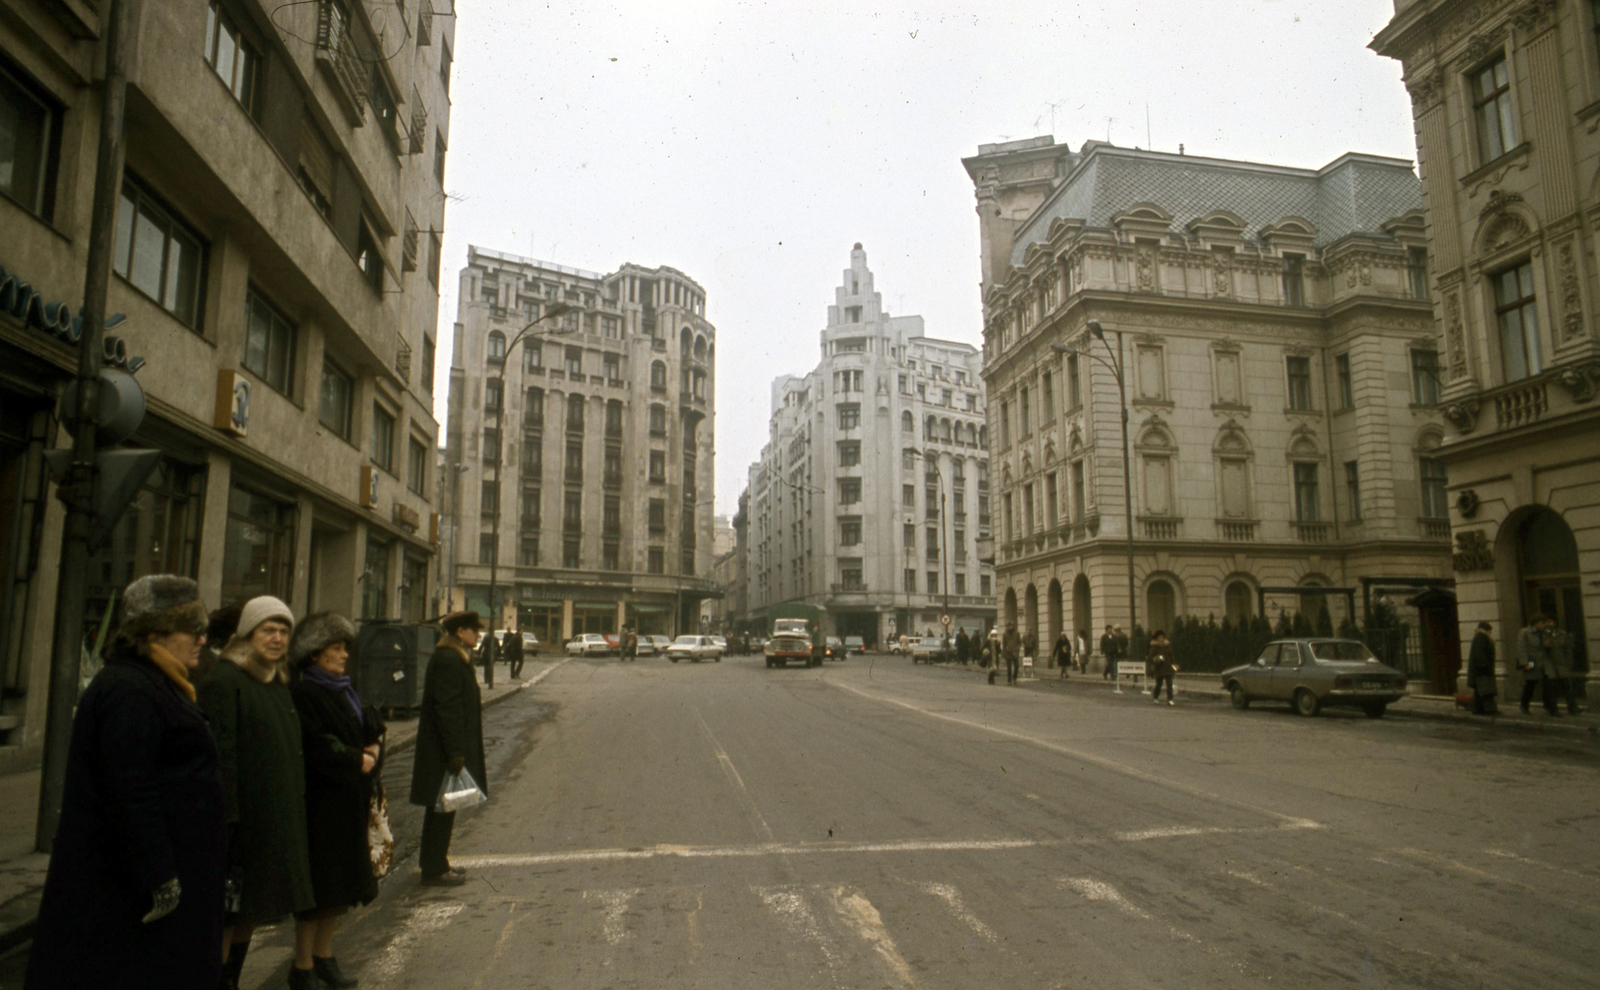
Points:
(871, 824)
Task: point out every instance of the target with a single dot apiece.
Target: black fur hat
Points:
(162, 603)
(316, 633)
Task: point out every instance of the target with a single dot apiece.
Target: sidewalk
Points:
(1208, 688)
(22, 870)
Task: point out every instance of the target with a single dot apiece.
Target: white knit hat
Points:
(260, 609)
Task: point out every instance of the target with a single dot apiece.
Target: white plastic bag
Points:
(457, 791)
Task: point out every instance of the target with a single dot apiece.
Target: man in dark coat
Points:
(963, 645)
(513, 652)
(1480, 671)
(1108, 650)
(449, 739)
(1161, 665)
(1536, 663)
(133, 897)
(1011, 646)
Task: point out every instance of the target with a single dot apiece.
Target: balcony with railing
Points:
(1434, 528)
(1161, 527)
(846, 587)
(1238, 530)
(1311, 532)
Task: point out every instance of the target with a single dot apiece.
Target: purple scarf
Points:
(336, 683)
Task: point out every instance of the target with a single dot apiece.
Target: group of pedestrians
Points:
(209, 792)
(1544, 657)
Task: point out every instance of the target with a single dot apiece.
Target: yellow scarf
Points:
(170, 665)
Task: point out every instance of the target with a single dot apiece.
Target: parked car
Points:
(614, 643)
(695, 648)
(1311, 674)
(658, 644)
(782, 650)
(926, 649)
(854, 644)
(720, 641)
(588, 645)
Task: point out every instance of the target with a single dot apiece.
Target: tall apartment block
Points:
(276, 256)
(1282, 381)
(872, 491)
(600, 421)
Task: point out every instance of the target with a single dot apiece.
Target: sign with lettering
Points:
(55, 320)
(232, 413)
(407, 517)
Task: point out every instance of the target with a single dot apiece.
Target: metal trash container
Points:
(390, 662)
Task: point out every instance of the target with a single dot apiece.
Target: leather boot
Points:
(328, 971)
(302, 979)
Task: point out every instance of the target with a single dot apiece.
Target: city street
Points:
(871, 824)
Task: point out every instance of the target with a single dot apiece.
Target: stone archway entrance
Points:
(1030, 634)
(1548, 578)
(1083, 611)
(1052, 607)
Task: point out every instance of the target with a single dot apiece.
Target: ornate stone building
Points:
(873, 491)
(1280, 370)
(1506, 98)
(605, 430)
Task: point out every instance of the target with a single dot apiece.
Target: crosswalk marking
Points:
(952, 900)
(1098, 890)
(615, 904)
(859, 913)
(424, 919)
(792, 909)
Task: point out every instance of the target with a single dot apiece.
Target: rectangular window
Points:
(933, 542)
(428, 356)
(1047, 399)
(1352, 488)
(491, 445)
(417, 466)
(1491, 105)
(614, 418)
(1050, 495)
(425, 24)
(235, 59)
(612, 521)
(268, 343)
(908, 496)
(383, 438)
(961, 583)
(908, 535)
(444, 64)
(1005, 424)
(656, 561)
(571, 553)
(958, 505)
(610, 557)
(1078, 507)
(613, 467)
(1074, 385)
(1347, 388)
(492, 394)
(1152, 374)
(159, 255)
(1010, 518)
(334, 400)
(1417, 272)
(574, 469)
(1306, 503)
(1518, 322)
(930, 498)
(533, 410)
(375, 587)
(1027, 510)
(849, 453)
(849, 416)
(611, 367)
(1299, 369)
(1235, 490)
(1435, 503)
(1294, 282)
(933, 582)
(849, 491)
(489, 497)
(532, 508)
(572, 512)
(29, 136)
(658, 467)
(658, 516)
(911, 582)
(486, 548)
(438, 165)
(528, 551)
(258, 551)
(368, 258)
(383, 105)
(850, 531)
(435, 249)
(1425, 377)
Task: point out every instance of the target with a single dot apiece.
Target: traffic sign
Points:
(945, 620)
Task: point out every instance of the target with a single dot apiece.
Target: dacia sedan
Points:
(695, 648)
(1310, 674)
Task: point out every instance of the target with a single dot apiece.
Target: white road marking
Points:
(952, 900)
(859, 914)
(1170, 832)
(792, 910)
(424, 919)
(1098, 890)
(750, 809)
(615, 904)
(1508, 854)
(1248, 877)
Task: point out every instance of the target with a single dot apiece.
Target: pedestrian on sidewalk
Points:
(1536, 664)
(342, 740)
(257, 729)
(449, 740)
(1063, 653)
(1011, 648)
(1108, 650)
(514, 653)
(630, 644)
(220, 627)
(963, 646)
(1480, 671)
(489, 655)
(133, 896)
(1162, 667)
(1081, 650)
(1566, 684)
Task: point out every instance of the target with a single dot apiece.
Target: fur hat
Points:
(162, 603)
(460, 620)
(316, 633)
(258, 610)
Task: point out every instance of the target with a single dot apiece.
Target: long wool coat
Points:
(1480, 664)
(264, 782)
(337, 794)
(143, 804)
(1159, 659)
(451, 722)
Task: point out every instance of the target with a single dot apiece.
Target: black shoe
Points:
(302, 979)
(328, 971)
(1525, 710)
(444, 880)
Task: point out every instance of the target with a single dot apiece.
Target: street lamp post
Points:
(1117, 366)
(556, 309)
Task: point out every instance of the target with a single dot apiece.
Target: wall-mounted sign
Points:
(407, 517)
(233, 403)
(433, 528)
(369, 487)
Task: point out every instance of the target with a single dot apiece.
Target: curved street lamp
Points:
(1117, 367)
(556, 309)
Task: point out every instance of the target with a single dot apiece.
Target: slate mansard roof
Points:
(1353, 194)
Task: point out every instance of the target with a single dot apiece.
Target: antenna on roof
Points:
(1147, 142)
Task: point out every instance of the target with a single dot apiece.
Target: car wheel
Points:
(1240, 700)
(673, 659)
(1306, 703)
(1375, 709)
(719, 658)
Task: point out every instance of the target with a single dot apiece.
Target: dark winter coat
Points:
(1480, 664)
(1108, 647)
(450, 724)
(513, 647)
(338, 794)
(143, 804)
(1011, 644)
(1533, 654)
(264, 782)
(1063, 650)
(1159, 659)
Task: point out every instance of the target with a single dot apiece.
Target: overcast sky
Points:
(749, 145)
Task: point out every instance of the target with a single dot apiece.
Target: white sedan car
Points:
(695, 648)
(588, 645)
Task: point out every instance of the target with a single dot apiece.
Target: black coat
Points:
(1480, 665)
(143, 804)
(450, 724)
(513, 647)
(338, 794)
(264, 783)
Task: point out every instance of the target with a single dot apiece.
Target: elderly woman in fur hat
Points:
(340, 737)
(246, 697)
(449, 740)
(133, 897)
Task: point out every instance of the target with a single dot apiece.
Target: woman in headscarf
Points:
(340, 737)
(263, 777)
(449, 739)
(133, 897)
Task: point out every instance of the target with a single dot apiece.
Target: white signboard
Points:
(1130, 668)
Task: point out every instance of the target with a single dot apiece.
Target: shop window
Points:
(375, 580)
(258, 552)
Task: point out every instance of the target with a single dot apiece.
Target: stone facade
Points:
(872, 492)
(606, 417)
(1506, 98)
(1280, 380)
(276, 247)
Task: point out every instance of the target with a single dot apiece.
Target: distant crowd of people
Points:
(214, 789)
